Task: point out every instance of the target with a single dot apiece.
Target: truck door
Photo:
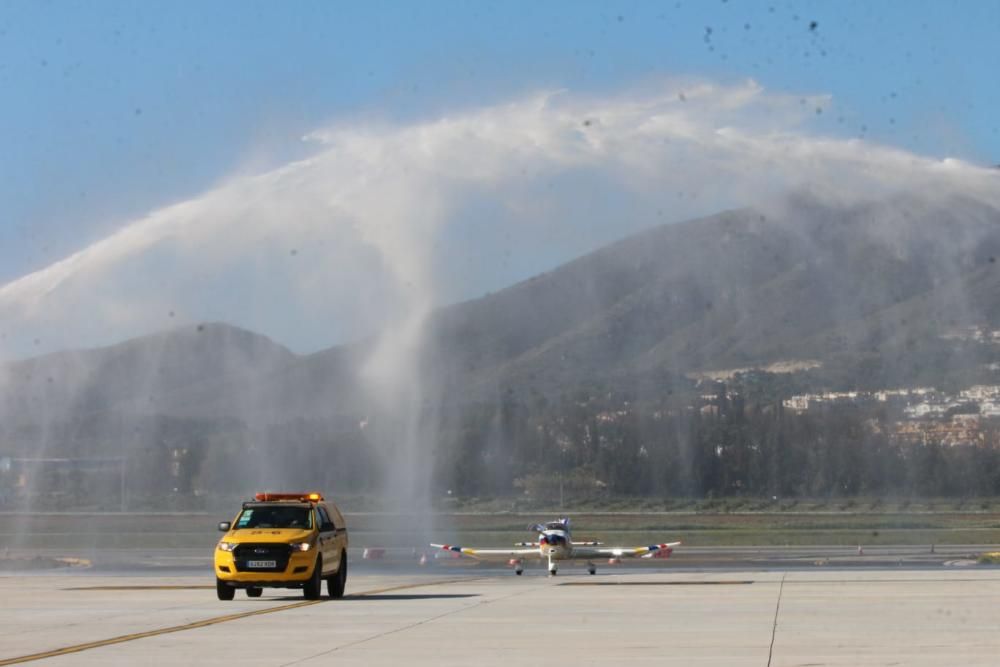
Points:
(327, 540)
(338, 519)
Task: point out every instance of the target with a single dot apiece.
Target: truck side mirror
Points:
(224, 526)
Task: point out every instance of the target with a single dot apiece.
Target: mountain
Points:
(869, 291)
(143, 376)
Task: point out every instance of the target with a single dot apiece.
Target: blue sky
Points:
(114, 109)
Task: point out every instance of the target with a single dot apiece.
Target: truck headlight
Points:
(301, 546)
(227, 546)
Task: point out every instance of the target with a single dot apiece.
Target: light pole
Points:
(121, 461)
(562, 466)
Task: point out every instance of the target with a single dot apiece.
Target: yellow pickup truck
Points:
(283, 540)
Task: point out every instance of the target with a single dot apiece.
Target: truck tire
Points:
(336, 584)
(223, 590)
(314, 586)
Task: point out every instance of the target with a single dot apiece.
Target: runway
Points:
(186, 560)
(824, 616)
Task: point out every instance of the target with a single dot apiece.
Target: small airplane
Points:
(555, 544)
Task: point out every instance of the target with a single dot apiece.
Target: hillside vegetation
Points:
(588, 371)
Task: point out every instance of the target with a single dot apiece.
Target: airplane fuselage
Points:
(555, 544)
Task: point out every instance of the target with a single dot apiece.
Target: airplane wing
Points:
(621, 552)
(588, 543)
(487, 553)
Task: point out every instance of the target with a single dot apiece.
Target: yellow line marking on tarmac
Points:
(76, 648)
(727, 582)
(138, 588)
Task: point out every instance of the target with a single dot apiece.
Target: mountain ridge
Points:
(867, 289)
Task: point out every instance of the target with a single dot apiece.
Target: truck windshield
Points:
(275, 517)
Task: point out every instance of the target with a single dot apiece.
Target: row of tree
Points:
(584, 445)
(602, 444)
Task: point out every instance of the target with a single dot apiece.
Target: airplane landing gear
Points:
(591, 568)
(518, 567)
(553, 568)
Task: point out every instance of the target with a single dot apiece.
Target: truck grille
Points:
(279, 553)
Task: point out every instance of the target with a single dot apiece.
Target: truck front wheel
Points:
(314, 586)
(223, 590)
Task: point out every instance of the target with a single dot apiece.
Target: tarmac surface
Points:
(662, 616)
(187, 560)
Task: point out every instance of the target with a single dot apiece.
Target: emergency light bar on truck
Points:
(267, 497)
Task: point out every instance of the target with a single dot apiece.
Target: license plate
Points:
(262, 563)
